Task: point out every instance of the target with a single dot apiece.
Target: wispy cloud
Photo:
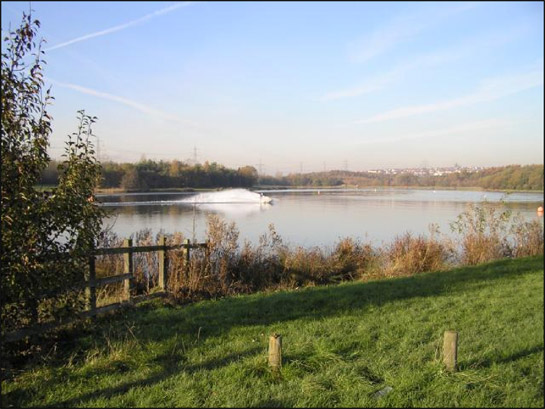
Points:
(490, 90)
(401, 29)
(473, 126)
(465, 49)
(371, 85)
(157, 13)
(380, 81)
(125, 101)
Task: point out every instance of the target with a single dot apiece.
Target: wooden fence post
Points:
(162, 264)
(90, 288)
(450, 350)
(186, 253)
(275, 351)
(128, 269)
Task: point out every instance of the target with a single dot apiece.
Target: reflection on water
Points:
(311, 217)
(233, 210)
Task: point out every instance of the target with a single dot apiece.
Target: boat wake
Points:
(228, 196)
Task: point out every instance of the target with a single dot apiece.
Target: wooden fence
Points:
(91, 283)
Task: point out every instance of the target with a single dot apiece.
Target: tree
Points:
(46, 236)
(248, 175)
(175, 168)
(130, 180)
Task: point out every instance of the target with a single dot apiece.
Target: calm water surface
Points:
(311, 217)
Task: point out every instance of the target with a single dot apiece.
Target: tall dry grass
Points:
(527, 237)
(408, 255)
(483, 230)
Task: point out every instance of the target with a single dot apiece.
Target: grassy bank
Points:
(342, 344)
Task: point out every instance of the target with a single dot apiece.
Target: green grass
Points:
(341, 345)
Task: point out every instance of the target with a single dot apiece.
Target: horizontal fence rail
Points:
(146, 249)
(127, 277)
(47, 326)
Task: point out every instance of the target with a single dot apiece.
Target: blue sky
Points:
(298, 86)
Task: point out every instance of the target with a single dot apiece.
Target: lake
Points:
(310, 217)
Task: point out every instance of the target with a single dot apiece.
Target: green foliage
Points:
(130, 180)
(149, 174)
(46, 236)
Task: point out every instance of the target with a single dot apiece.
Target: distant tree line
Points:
(516, 177)
(149, 174)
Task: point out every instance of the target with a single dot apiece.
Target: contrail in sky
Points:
(491, 89)
(122, 26)
(125, 101)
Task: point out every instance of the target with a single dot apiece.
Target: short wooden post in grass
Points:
(162, 264)
(450, 350)
(128, 269)
(275, 351)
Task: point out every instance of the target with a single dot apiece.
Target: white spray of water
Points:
(229, 196)
(233, 209)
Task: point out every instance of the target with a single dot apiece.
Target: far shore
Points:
(114, 191)
(354, 187)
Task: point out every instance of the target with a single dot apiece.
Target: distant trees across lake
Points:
(512, 177)
(150, 174)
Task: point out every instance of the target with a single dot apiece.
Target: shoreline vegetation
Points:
(482, 233)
